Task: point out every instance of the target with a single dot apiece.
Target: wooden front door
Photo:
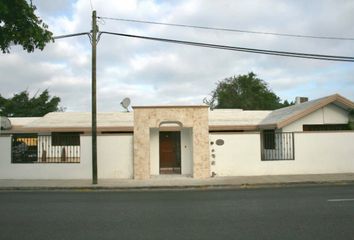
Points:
(170, 152)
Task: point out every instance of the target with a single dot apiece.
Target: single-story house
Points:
(310, 137)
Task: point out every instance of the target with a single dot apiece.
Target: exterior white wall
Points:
(240, 155)
(330, 114)
(187, 151)
(325, 152)
(115, 160)
(154, 151)
(315, 153)
(115, 156)
(10, 170)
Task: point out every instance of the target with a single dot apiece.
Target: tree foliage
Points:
(246, 92)
(20, 26)
(21, 105)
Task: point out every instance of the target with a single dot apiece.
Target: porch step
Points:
(172, 170)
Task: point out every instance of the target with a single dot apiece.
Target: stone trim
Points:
(194, 117)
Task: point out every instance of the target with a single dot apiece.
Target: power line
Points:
(240, 49)
(224, 47)
(231, 30)
(71, 35)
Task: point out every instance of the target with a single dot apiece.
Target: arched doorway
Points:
(194, 139)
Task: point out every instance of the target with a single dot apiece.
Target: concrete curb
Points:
(178, 187)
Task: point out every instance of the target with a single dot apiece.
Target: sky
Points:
(156, 73)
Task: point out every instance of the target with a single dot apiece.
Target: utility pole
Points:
(94, 105)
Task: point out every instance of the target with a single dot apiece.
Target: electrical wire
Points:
(230, 30)
(223, 47)
(240, 49)
(71, 35)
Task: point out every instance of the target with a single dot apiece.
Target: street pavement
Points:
(297, 212)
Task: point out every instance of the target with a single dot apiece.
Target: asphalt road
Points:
(320, 212)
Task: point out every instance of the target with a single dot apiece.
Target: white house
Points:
(307, 138)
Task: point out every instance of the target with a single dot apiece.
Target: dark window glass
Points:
(269, 139)
(65, 139)
(325, 127)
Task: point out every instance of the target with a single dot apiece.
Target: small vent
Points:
(219, 142)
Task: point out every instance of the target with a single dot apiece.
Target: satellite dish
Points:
(125, 103)
(5, 123)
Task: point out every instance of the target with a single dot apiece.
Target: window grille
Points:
(277, 145)
(55, 148)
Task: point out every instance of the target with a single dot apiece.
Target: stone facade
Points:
(195, 117)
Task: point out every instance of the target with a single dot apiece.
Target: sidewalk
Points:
(178, 182)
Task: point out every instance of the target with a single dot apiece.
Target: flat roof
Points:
(219, 119)
(172, 106)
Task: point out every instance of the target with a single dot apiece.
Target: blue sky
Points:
(159, 73)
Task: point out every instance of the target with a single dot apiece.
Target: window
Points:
(277, 145)
(269, 139)
(325, 127)
(65, 139)
(24, 148)
(55, 148)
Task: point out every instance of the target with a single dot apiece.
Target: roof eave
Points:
(324, 102)
(268, 126)
(68, 129)
(232, 127)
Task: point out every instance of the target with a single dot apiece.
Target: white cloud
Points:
(160, 73)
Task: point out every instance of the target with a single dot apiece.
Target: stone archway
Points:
(194, 117)
(178, 123)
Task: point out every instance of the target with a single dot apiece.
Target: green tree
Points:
(246, 92)
(20, 26)
(21, 105)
